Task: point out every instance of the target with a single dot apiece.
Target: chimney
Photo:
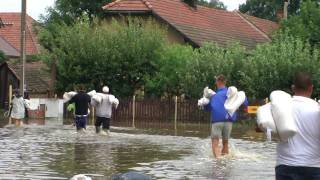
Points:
(192, 3)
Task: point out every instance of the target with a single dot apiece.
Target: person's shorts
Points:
(221, 130)
(81, 122)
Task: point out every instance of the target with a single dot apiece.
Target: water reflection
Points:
(50, 150)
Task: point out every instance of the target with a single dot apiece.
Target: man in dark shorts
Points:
(82, 101)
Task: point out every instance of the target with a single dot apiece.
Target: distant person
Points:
(104, 110)
(18, 111)
(82, 101)
(299, 158)
(221, 120)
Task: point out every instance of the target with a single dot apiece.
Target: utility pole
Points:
(285, 9)
(23, 45)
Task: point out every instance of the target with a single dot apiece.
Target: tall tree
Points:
(212, 4)
(306, 25)
(268, 9)
(69, 10)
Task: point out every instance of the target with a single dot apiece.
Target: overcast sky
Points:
(37, 7)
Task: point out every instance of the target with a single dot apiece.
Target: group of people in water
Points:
(103, 103)
(298, 157)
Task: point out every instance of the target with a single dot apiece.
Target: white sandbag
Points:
(281, 109)
(81, 177)
(203, 102)
(97, 98)
(264, 118)
(234, 100)
(27, 103)
(68, 95)
(92, 93)
(208, 93)
(116, 103)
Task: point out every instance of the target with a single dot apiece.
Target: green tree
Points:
(68, 11)
(306, 25)
(212, 4)
(172, 69)
(267, 9)
(275, 63)
(2, 57)
(119, 54)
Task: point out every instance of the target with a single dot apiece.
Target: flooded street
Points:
(56, 151)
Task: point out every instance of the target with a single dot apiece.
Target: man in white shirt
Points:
(299, 158)
(104, 110)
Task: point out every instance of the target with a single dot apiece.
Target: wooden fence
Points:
(162, 113)
(156, 111)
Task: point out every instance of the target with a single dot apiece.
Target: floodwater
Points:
(52, 150)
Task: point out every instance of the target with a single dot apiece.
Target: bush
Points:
(134, 54)
(119, 55)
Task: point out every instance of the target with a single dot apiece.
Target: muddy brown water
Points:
(51, 149)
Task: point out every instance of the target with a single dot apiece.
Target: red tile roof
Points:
(11, 32)
(203, 24)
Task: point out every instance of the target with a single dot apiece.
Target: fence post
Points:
(10, 100)
(175, 112)
(133, 111)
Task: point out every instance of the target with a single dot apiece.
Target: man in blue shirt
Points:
(220, 118)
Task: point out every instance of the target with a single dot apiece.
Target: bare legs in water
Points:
(216, 150)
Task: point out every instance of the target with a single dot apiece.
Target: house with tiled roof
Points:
(37, 79)
(196, 24)
(10, 31)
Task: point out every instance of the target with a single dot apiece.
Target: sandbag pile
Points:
(234, 100)
(277, 115)
(207, 94)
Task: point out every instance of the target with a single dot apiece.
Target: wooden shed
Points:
(7, 77)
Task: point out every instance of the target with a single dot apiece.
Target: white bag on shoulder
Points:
(281, 109)
(234, 100)
(265, 119)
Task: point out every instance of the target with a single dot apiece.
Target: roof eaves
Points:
(146, 2)
(253, 25)
(128, 12)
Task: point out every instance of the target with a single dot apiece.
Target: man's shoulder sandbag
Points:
(97, 98)
(281, 109)
(234, 100)
(68, 95)
(264, 117)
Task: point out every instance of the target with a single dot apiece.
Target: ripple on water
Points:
(58, 152)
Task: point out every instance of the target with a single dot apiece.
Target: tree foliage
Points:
(306, 25)
(212, 4)
(2, 57)
(68, 11)
(267, 9)
(119, 55)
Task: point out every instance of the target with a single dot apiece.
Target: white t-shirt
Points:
(303, 149)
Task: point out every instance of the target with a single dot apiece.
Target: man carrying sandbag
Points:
(82, 101)
(221, 119)
(299, 157)
(104, 103)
